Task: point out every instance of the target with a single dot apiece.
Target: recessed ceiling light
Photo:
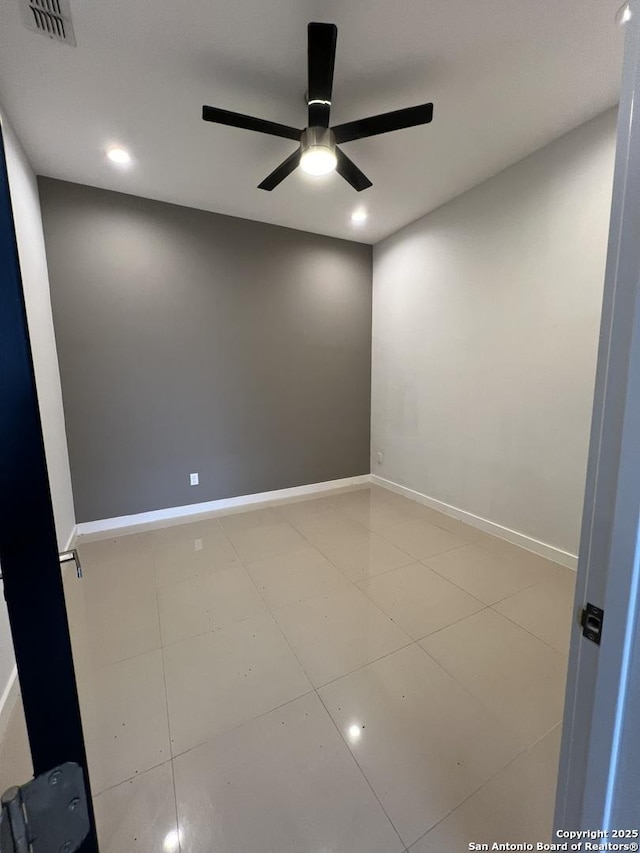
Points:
(119, 156)
(623, 14)
(359, 216)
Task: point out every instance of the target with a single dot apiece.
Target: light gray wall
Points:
(485, 330)
(190, 341)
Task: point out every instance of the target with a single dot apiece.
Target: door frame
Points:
(28, 545)
(603, 686)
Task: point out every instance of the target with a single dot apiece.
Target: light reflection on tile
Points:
(139, 815)
(223, 615)
(425, 743)
(284, 782)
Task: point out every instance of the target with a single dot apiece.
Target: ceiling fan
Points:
(318, 153)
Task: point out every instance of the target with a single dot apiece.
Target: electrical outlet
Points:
(197, 544)
(194, 479)
(380, 457)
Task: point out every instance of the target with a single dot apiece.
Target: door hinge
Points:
(591, 619)
(47, 815)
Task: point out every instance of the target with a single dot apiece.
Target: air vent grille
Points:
(51, 18)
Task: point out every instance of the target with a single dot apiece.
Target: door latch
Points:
(47, 815)
(591, 619)
(71, 557)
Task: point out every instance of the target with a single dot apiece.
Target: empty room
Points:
(317, 352)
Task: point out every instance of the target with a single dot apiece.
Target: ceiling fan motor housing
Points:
(317, 137)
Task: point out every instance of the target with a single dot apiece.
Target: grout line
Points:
(242, 723)
(527, 631)
(135, 776)
(175, 800)
(315, 691)
(455, 622)
(504, 723)
(364, 775)
(166, 699)
(365, 665)
(472, 794)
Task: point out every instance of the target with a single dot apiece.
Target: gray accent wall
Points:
(194, 342)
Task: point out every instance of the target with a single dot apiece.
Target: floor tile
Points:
(266, 540)
(515, 806)
(419, 538)
(191, 558)
(546, 569)
(236, 522)
(355, 497)
(115, 615)
(363, 555)
(327, 525)
(456, 737)
(547, 750)
(422, 741)
(284, 783)
(210, 601)
(112, 547)
(510, 671)
(299, 511)
(219, 680)
(117, 577)
(139, 816)
(335, 634)
(487, 576)
(419, 600)
(124, 716)
(379, 514)
(188, 528)
(295, 576)
(464, 531)
(545, 610)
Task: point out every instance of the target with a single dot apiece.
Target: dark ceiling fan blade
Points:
(350, 172)
(249, 123)
(384, 123)
(281, 172)
(321, 57)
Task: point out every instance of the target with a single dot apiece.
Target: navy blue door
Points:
(28, 547)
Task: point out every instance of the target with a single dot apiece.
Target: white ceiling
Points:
(506, 76)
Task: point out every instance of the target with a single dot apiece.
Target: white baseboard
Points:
(521, 539)
(125, 524)
(94, 530)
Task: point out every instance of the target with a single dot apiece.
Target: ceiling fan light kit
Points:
(318, 153)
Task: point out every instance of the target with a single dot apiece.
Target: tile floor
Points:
(349, 674)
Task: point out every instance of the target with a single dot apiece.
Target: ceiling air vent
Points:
(52, 18)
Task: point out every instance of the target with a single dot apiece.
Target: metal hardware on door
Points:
(72, 557)
(67, 557)
(591, 619)
(47, 815)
